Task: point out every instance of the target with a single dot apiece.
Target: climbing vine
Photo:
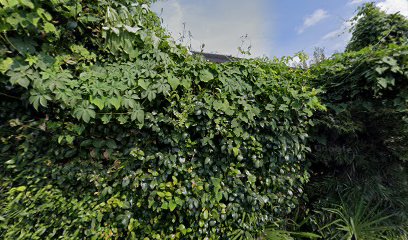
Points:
(111, 130)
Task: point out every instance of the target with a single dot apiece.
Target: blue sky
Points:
(273, 27)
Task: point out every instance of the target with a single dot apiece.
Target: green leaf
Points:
(251, 178)
(173, 81)
(382, 82)
(111, 144)
(305, 235)
(165, 205)
(70, 139)
(216, 184)
(390, 61)
(206, 76)
(234, 123)
(106, 118)
(186, 82)
(24, 82)
(123, 118)
(21, 188)
(5, 65)
(151, 95)
(115, 102)
(9, 3)
(138, 114)
(143, 84)
(84, 113)
(205, 214)
(99, 102)
(37, 100)
(381, 70)
(49, 27)
(235, 151)
(125, 182)
(172, 205)
(27, 3)
(218, 196)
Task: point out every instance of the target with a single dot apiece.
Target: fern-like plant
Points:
(357, 220)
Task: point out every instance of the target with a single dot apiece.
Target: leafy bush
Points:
(372, 26)
(360, 142)
(110, 130)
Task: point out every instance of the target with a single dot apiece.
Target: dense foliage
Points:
(110, 130)
(373, 27)
(360, 149)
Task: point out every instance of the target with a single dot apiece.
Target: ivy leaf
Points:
(138, 114)
(10, 3)
(151, 94)
(27, 3)
(172, 205)
(382, 82)
(132, 29)
(206, 75)
(37, 100)
(216, 183)
(381, 70)
(24, 45)
(390, 61)
(174, 82)
(234, 123)
(20, 189)
(100, 103)
(129, 103)
(49, 27)
(123, 119)
(143, 84)
(5, 65)
(162, 87)
(106, 118)
(235, 151)
(24, 82)
(283, 107)
(165, 205)
(70, 139)
(251, 178)
(186, 82)
(111, 144)
(205, 214)
(115, 102)
(84, 113)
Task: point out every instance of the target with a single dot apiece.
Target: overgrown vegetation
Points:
(110, 130)
(360, 150)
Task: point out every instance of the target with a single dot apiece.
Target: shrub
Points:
(110, 130)
(360, 142)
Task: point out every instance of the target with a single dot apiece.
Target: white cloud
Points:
(311, 20)
(393, 6)
(217, 24)
(353, 2)
(337, 39)
(342, 30)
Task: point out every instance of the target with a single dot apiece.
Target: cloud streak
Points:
(393, 6)
(354, 2)
(313, 19)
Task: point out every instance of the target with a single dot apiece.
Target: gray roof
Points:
(216, 58)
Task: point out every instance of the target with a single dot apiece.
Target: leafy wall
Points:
(110, 130)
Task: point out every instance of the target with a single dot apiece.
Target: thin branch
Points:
(9, 96)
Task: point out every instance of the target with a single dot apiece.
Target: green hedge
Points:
(110, 130)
